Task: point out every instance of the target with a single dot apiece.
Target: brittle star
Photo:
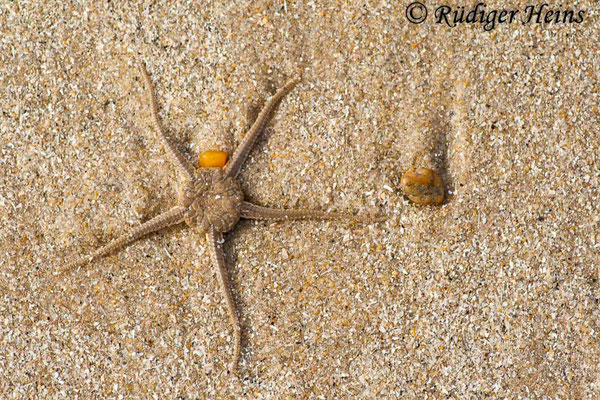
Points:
(211, 201)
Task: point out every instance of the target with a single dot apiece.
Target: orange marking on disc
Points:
(213, 159)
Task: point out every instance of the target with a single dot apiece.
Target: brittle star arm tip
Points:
(214, 240)
(241, 152)
(166, 219)
(180, 162)
(252, 211)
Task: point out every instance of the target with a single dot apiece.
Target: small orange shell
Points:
(423, 186)
(213, 159)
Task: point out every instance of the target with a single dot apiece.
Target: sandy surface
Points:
(494, 294)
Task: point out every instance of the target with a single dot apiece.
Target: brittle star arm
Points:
(241, 152)
(173, 216)
(252, 211)
(214, 240)
(177, 158)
